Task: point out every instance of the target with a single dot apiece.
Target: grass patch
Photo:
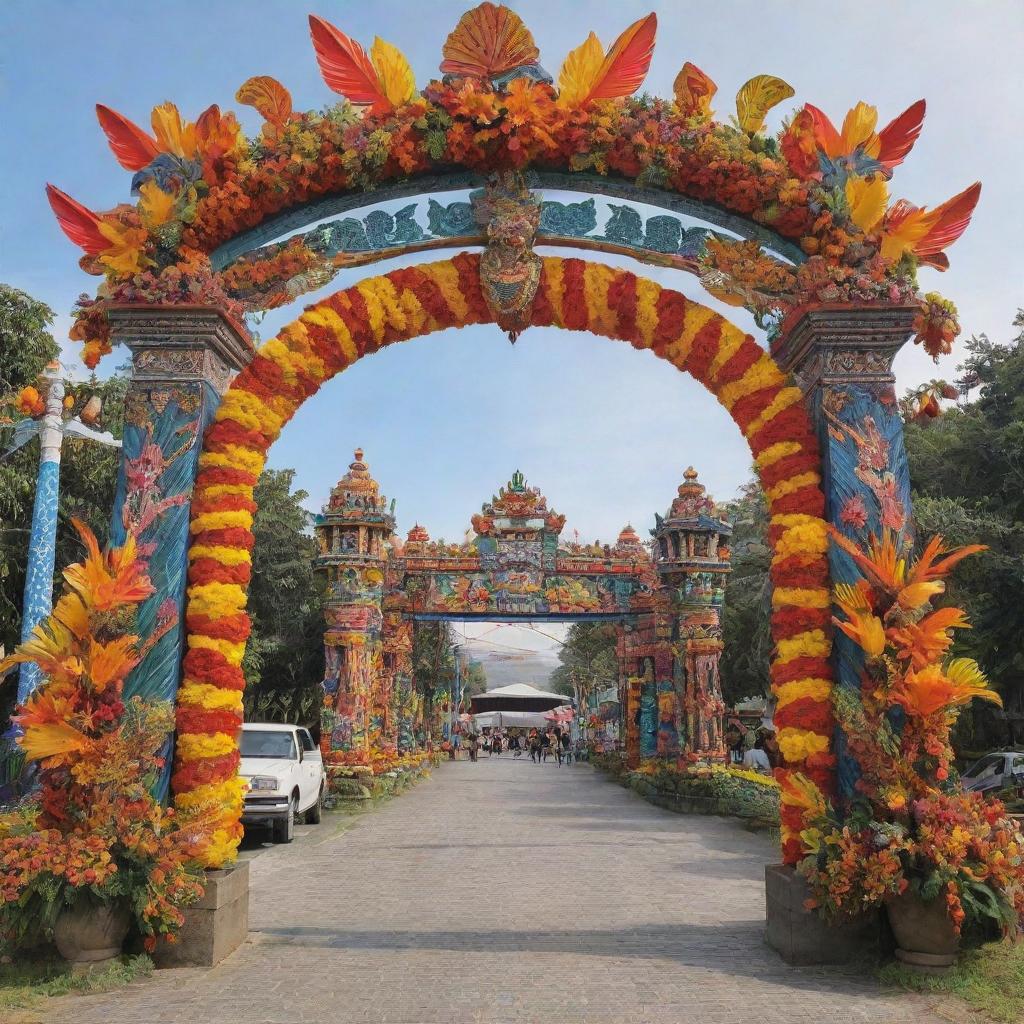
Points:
(23, 983)
(989, 978)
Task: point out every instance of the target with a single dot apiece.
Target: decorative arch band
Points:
(403, 304)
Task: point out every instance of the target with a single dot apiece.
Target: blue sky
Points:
(605, 431)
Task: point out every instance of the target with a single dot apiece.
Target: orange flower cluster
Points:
(29, 402)
(573, 294)
(94, 828)
(905, 826)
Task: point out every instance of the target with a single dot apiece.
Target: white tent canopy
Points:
(525, 691)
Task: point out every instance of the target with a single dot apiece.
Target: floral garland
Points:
(407, 303)
(201, 184)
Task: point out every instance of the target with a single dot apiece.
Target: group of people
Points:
(554, 742)
(756, 750)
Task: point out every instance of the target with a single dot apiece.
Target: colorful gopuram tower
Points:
(691, 556)
(353, 532)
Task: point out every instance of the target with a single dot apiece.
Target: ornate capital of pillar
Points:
(844, 344)
(180, 343)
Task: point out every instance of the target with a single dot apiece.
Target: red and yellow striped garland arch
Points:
(408, 303)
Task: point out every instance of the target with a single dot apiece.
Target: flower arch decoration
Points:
(821, 190)
(403, 304)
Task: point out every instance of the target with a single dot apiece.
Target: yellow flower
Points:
(172, 134)
(126, 255)
(800, 744)
(155, 205)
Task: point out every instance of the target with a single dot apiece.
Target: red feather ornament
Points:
(132, 147)
(897, 138)
(345, 65)
(78, 222)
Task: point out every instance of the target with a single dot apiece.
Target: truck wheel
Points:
(313, 814)
(284, 830)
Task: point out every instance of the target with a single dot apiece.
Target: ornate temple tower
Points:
(352, 533)
(691, 556)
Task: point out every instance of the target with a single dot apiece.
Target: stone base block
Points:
(800, 936)
(215, 926)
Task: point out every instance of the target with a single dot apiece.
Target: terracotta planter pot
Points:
(925, 936)
(88, 935)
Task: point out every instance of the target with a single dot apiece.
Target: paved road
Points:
(503, 892)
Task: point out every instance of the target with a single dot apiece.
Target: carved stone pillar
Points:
(183, 358)
(842, 357)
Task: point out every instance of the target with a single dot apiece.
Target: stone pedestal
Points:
(800, 936)
(215, 926)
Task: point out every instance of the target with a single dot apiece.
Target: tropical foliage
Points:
(588, 662)
(284, 657)
(906, 826)
(824, 188)
(746, 617)
(93, 831)
(971, 498)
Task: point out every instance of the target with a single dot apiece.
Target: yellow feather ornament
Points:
(867, 199)
(756, 98)
(859, 129)
(580, 70)
(396, 78)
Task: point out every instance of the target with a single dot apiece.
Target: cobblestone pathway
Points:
(507, 892)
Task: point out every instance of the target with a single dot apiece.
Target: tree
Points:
(746, 618)
(284, 658)
(967, 470)
(588, 661)
(474, 680)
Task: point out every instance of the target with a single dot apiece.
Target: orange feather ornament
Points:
(488, 40)
(270, 98)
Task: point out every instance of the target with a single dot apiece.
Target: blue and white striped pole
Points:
(42, 545)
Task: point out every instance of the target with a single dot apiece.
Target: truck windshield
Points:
(267, 744)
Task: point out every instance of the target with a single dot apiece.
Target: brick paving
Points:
(503, 892)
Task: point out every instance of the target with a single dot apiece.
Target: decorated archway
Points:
(813, 249)
(331, 335)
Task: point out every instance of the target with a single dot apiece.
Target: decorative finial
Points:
(359, 454)
(690, 474)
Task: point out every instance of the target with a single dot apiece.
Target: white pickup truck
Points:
(285, 777)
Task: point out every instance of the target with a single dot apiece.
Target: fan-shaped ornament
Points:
(489, 41)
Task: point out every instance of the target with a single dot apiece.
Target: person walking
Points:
(566, 750)
(474, 745)
(496, 744)
(535, 746)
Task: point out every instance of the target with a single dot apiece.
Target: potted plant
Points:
(908, 839)
(92, 850)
